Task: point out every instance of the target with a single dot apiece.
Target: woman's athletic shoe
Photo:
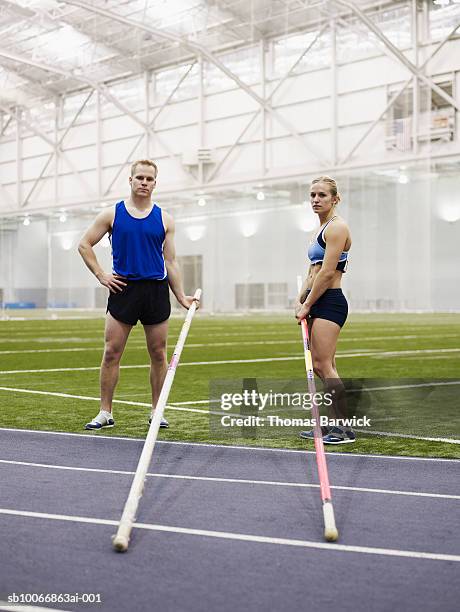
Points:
(337, 435)
(103, 419)
(309, 435)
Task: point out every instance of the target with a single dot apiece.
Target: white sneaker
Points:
(163, 423)
(103, 419)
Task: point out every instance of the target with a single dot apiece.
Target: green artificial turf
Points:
(412, 349)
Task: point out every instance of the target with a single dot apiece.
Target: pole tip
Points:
(331, 534)
(120, 543)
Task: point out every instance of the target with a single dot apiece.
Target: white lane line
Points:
(242, 537)
(227, 446)
(272, 483)
(70, 468)
(376, 354)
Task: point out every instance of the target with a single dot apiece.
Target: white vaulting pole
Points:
(330, 530)
(120, 541)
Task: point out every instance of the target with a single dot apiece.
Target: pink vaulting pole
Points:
(319, 446)
(330, 530)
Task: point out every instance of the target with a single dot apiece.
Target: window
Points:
(435, 120)
(277, 295)
(250, 295)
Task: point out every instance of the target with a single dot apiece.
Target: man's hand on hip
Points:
(114, 282)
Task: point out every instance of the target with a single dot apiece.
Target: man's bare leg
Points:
(156, 338)
(116, 336)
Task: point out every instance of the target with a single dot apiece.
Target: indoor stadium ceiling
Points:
(49, 47)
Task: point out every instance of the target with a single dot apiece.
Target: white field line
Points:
(140, 344)
(242, 537)
(412, 386)
(345, 338)
(390, 434)
(46, 340)
(216, 401)
(356, 329)
(212, 332)
(97, 399)
(272, 483)
(432, 358)
(190, 402)
(207, 412)
(146, 365)
(59, 350)
(377, 354)
(226, 446)
(65, 333)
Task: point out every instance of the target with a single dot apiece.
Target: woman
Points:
(322, 302)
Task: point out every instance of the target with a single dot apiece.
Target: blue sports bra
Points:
(317, 250)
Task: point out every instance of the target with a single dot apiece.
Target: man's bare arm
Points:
(101, 226)
(172, 267)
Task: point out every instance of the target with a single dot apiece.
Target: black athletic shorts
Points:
(332, 306)
(144, 300)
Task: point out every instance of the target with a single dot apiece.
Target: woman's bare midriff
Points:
(314, 270)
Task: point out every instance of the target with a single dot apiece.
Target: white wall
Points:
(404, 254)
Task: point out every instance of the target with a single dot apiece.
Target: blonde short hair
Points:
(144, 162)
(331, 183)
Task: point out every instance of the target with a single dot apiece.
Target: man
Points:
(144, 264)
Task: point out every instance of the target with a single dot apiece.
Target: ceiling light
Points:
(26, 221)
(260, 196)
(449, 212)
(249, 226)
(195, 232)
(201, 201)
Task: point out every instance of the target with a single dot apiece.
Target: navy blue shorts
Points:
(332, 306)
(144, 300)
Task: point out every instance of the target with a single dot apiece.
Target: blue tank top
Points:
(137, 244)
(317, 250)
